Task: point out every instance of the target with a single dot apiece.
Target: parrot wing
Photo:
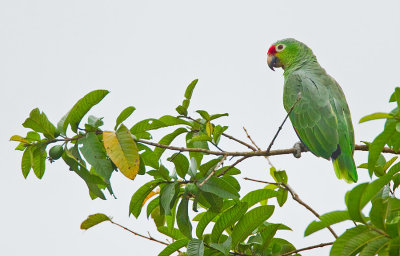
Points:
(313, 117)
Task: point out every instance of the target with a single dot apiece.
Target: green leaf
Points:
(171, 248)
(166, 140)
(375, 186)
(231, 181)
(124, 115)
(393, 97)
(192, 167)
(95, 122)
(172, 120)
(227, 219)
(249, 222)
(158, 217)
(39, 161)
(62, 123)
(341, 242)
(26, 162)
(268, 231)
(394, 245)
(280, 246)
(278, 176)
(152, 205)
(92, 181)
(181, 164)
(166, 195)
(174, 233)
(147, 125)
(80, 109)
(204, 114)
(218, 187)
(374, 116)
(225, 247)
(258, 195)
(138, 197)
(210, 200)
(209, 166)
(375, 247)
(397, 95)
(377, 145)
(206, 218)
(379, 212)
(170, 219)
(195, 247)
(181, 110)
(38, 122)
(218, 130)
(148, 156)
(182, 218)
(190, 88)
(281, 196)
(218, 116)
(93, 220)
(326, 220)
(354, 202)
(195, 144)
(357, 242)
(93, 151)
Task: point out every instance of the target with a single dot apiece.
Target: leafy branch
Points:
(192, 179)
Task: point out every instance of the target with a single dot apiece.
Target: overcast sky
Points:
(146, 52)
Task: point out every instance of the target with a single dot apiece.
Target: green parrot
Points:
(321, 116)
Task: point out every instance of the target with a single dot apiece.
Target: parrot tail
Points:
(345, 168)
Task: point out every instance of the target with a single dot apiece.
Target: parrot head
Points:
(286, 52)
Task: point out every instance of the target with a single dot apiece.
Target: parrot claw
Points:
(299, 147)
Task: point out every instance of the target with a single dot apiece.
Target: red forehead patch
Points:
(271, 50)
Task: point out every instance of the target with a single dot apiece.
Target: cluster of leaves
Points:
(376, 233)
(185, 184)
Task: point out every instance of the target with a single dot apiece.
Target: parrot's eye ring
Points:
(280, 47)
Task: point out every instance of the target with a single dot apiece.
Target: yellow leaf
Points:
(209, 128)
(122, 150)
(151, 194)
(19, 138)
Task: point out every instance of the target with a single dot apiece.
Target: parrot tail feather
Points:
(345, 168)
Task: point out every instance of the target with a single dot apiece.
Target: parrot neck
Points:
(306, 62)
(304, 58)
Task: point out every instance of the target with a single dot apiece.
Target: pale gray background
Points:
(145, 53)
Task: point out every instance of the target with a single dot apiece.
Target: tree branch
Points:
(215, 169)
(249, 153)
(239, 141)
(284, 120)
(296, 198)
(307, 248)
(233, 165)
(137, 234)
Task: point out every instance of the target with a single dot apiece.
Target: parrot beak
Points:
(273, 62)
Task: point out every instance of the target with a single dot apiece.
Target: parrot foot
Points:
(299, 147)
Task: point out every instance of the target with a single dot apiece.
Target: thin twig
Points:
(307, 248)
(137, 234)
(296, 198)
(284, 120)
(215, 169)
(233, 165)
(252, 141)
(239, 141)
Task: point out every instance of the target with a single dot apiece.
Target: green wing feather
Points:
(321, 118)
(313, 116)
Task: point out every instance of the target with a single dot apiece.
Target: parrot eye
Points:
(280, 47)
